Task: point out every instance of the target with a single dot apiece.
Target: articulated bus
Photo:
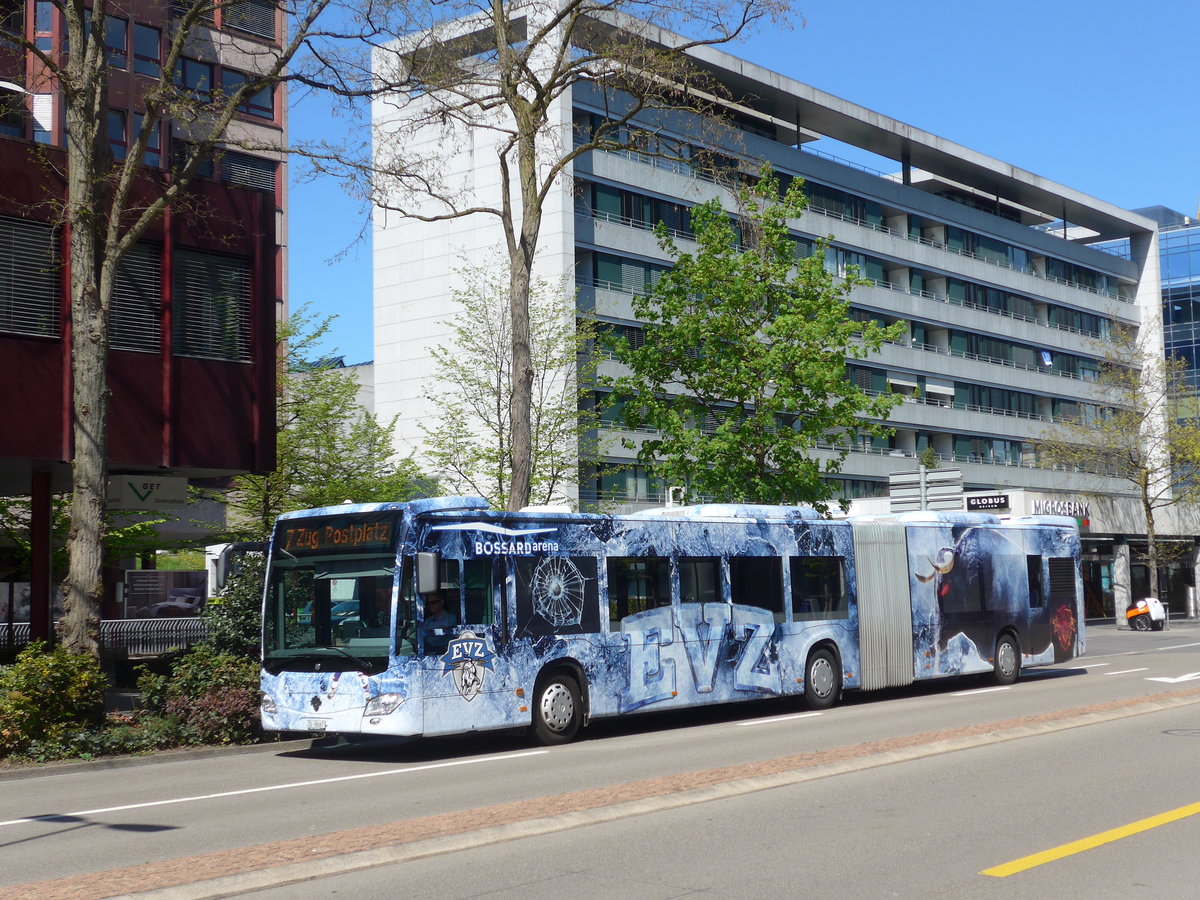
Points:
(441, 616)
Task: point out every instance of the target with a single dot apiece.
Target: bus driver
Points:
(437, 617)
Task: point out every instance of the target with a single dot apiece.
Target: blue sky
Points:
(1100, 96)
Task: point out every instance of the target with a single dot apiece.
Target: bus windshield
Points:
(329, 594)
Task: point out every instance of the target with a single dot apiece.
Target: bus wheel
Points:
(1008, 660)
(822, 680)
(557, 709)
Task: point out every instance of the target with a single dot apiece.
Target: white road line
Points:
(979, 691)
(1088, 666)
(1180, 646)
(1127, 671)
(772, 719)
(275, 787)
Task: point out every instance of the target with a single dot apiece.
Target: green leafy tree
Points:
(469, 445)
(234, 618)
(329, 448)
(1143, 429)
(742, 374)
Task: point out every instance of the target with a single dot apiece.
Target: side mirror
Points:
(428, 577)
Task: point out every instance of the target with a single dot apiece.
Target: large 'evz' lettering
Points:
(755, 670)
(651, 674)
(708, 633)
(702, 628)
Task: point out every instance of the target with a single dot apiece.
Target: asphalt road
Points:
(894, 794)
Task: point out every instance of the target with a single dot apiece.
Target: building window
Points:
(153, 154)
(116, 133)
(29, 279)
(43, 118)
(253, 16)
(211, 309)
(13, 20)
(12, 113)
(147, 50)
(248, 171)
(116, 40)
(194, 76)
(135, 320)
(43, 25)
(180, 8)
(181, 152)
(260, 103)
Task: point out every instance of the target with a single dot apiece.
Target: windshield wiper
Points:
(278, 663)
(346, 653)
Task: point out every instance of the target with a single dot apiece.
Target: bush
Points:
(47, 697)
(234, 618)
(209, 698)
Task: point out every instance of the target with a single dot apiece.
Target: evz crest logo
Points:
(468, 659)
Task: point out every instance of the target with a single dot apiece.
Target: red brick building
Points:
(193, 318)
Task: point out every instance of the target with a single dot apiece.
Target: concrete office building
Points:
(1003, 313)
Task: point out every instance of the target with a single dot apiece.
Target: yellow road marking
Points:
(1087, 843)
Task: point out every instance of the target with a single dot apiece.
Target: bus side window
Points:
(818, 588)
(699, 580)
(406, 640)
(1034, 565)
(636, 585)
(757, 581)
(477, 576)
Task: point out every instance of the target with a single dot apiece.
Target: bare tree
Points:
(1143, 429)
(468, 441)
(110, 203)
(504, 73)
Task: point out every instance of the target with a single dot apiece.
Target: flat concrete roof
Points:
(810, 109)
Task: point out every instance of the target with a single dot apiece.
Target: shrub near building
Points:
(52, 706)
(46, 699)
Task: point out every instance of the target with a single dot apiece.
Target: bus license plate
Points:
(315, 724)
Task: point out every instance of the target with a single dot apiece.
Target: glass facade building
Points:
(1179, 255)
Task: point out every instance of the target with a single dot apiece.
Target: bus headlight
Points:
(268, 707)
(383, 704)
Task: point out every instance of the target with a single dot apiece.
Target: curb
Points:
(154, 757)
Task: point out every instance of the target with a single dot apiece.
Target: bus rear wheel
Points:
(557, 709)
(1008, 660)
(822, 680)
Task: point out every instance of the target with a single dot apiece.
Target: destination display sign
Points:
(364, 532)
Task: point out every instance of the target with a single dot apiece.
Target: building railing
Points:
(137, 637)
(995, 360)
(628, 221)
(583, 281)
(684, 169)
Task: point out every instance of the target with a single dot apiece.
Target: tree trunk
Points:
(1151, 547)
(87, 154)
(521, 403)
(520, 277)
